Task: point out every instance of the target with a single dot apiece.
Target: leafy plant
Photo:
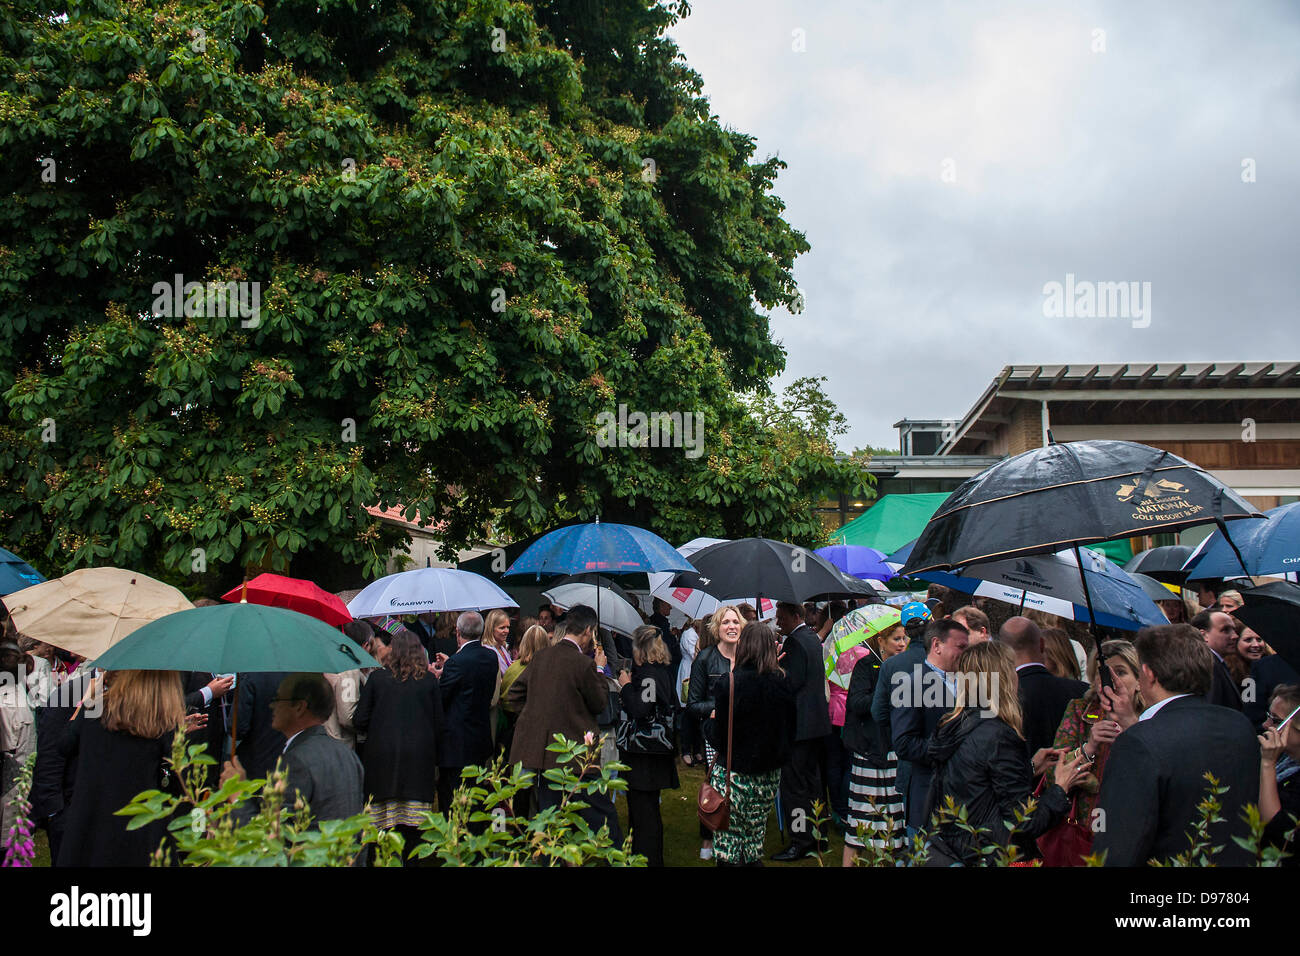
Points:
(483, 830)
(251, 822)
(19, 848)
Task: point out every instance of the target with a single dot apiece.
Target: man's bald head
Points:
(1024, 638)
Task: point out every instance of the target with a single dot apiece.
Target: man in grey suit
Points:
(324, 771)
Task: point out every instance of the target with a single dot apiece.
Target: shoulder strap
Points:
(731, 723)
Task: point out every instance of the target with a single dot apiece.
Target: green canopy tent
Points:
(891, 522)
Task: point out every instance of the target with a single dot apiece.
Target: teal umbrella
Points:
(229, 638)
(236, 637)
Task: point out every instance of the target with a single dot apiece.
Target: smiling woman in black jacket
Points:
(709, 671)
(762, 738)
(982, 761)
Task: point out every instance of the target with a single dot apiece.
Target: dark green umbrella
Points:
(229, 638)
(236, 637)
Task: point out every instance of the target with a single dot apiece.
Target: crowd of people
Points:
(1055, 746)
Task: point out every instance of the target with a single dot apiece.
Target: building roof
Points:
(1161, 380)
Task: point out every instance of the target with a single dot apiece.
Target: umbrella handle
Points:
(1103, 670)
(234, 720)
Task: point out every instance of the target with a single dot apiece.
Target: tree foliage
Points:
(470, 227)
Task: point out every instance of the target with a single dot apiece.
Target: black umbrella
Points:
(1163, 564)
(1272, 611)
(1152, 588)
(1071, 494)
(750, 568)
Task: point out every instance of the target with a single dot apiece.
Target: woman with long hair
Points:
(119, 754)
(982, 762)
(533, 640)
(496, 637)
(875, 806)
(400, 712)
(646, 740)
(1058, 655)
(1088, 726)
(762, 739)
(713, 663)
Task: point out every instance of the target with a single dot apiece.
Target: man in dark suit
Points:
(467, 681)
(257, 743)
(918, 698)
(801, 778)
(1221, 638)
(209, 694)
(915, 617)
(323, 771)
(1155, 772)
(1043, 695)
(562, 691)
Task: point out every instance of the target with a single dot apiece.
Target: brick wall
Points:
(1026, 428)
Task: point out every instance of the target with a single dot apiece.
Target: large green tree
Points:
(470, 227)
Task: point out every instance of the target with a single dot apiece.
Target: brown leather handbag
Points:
(714, 808)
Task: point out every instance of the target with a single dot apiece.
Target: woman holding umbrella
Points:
(400, 712)
(119, 754)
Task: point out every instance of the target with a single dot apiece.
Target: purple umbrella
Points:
(857, 561)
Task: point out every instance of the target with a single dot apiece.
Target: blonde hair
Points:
(715, 622)
(534, 639)
(648, 646)
(490, 625)
(143, 703)
(1125, 651)
(988, 666)
(1232, 595)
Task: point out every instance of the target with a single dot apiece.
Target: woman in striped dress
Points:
(875, 807)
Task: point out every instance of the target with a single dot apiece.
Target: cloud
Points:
(1122, 164)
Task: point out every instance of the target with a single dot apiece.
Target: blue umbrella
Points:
(606, 548)
(899, 558)
(1268, 545)
(600, 548)
(858, 561)
(1050, 583)
(16, 574)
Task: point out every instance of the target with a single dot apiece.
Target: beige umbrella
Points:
(88, 611)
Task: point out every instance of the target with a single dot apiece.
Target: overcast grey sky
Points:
(947, 160)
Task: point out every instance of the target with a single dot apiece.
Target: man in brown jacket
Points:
(562, 691)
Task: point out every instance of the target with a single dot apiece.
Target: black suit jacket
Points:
(257, 744)
(802, 664)
(1043, 699)
(1223, 689)
(214, 735)
(469, 679)
(1267, 673)
(54, 775)
(918, 699)
(1154, 779)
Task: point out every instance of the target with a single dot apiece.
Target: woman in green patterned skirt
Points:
(762, 739)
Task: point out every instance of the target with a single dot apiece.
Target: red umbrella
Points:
(275, 590)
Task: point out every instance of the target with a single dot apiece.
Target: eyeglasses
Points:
(1273, 719)
(284, 700)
